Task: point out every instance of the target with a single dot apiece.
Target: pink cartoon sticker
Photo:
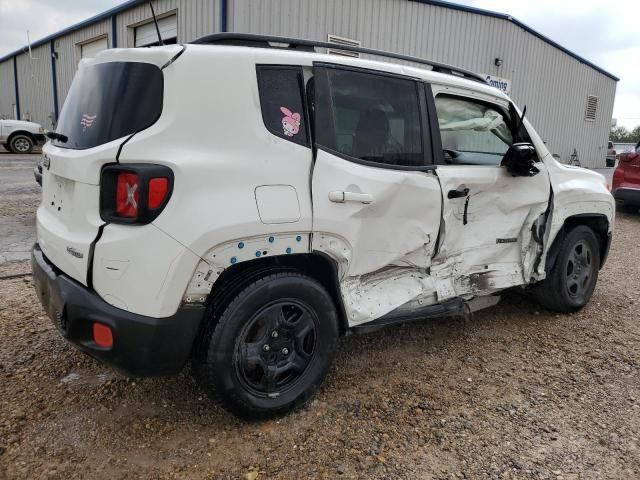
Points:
(290, 122)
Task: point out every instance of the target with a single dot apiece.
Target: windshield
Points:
(108, 101)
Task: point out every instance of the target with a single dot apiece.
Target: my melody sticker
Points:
(290, 122)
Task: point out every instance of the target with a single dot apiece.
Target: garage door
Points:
(91, 49)
(146, 35)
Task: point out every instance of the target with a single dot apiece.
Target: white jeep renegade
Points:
(243, 203)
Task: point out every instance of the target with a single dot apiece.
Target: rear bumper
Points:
(627, 196)
(142, 346)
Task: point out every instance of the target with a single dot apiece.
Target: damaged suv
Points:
(243, 201)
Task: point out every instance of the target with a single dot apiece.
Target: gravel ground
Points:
(514, 392)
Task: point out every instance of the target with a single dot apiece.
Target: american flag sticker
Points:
(86, 121)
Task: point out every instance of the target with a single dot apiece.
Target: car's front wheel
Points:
(21, 144)
(571, 282)
(271, 346)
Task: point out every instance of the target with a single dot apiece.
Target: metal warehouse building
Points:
(568, 99)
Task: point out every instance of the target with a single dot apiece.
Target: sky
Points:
(605, 33)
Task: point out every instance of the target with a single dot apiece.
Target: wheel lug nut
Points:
(274, 334)
(265, 347)
(285, 351)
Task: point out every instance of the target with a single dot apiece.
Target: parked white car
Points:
(244, 206)
(19, 136)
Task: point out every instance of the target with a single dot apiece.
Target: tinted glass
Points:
(472, 132)
(109, 101)
(281, 101)
(372, 117)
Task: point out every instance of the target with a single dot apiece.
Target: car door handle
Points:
(342, 197)
(458, 193)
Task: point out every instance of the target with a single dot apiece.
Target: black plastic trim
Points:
(432, 115)
(142, 346)
(454, 307)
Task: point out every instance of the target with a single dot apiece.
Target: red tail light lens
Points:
(127, 195)
(158, 189)
(135, 193)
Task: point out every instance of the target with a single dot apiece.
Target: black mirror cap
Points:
(520, 160)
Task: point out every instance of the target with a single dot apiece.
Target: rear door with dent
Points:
(376, 200)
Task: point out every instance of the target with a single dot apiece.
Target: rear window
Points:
(108, 101)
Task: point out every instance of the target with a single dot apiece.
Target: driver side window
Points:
(473, 132)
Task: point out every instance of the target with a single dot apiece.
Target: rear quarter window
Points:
(281, 90)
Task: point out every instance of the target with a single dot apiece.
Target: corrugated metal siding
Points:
(195, 19)
(68, 50)
(36, 92)
(552, 84)
(7, 89)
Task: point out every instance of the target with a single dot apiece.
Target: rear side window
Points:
(281, 101)
(370, 117)
(108, 101)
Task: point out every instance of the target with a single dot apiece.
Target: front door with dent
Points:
(488, 241)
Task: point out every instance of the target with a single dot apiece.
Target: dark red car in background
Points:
(626, 180)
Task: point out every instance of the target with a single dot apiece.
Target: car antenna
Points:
(155, 21)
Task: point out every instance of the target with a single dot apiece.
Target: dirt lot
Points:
(516, 392)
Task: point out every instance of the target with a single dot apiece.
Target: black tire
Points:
(21, 143)
(235, 367)
(571, 282)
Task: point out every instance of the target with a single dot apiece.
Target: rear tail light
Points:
(158, 189)
(127, 195)
(134, 193)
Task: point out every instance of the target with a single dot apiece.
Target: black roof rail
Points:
(266, 41)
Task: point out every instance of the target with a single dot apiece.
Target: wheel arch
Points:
(235, 278)
(20, 132)
(597, 222)
(25, 133)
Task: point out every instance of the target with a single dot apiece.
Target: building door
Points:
(146, 35)
(92, 48)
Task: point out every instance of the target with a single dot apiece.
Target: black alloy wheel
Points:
(276, 346)
(572, 279)
(268, 344)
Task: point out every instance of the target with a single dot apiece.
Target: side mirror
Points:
(520, 160)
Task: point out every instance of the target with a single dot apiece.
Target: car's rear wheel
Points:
(21, 144)
(571, 282)
(271, 346)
